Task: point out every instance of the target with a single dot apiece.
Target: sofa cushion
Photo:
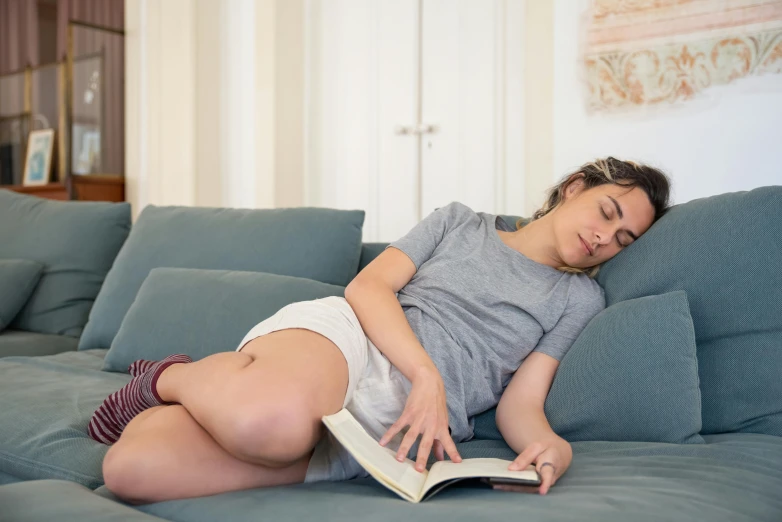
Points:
(45, 405)
(76, 241)
(317, 243)
(18, 278)
(631, 375)
(19, 342)
(732, 477)
(724, 251)
(63, 501)
(201, 312)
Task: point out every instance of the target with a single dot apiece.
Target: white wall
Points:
(727, 139)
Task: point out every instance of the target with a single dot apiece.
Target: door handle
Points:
(421, 128)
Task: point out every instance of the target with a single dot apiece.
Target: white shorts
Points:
(377, 390)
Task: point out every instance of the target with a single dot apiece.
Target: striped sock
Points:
(138, 367)
(139, 394)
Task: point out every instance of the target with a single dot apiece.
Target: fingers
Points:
(395, 428)
(450, 447)
(546, 478)
(423, 451)
(407, 442)
(439, 451)
(527, 456)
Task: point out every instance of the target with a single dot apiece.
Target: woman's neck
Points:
(535, 240)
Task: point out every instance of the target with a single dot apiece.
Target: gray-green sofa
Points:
(671, 397)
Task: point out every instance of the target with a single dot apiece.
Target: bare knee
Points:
(274, 432)
(124, 473)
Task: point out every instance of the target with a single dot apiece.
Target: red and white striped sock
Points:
(138, 367)
(139, 394)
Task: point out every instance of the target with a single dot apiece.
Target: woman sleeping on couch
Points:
(461, 314)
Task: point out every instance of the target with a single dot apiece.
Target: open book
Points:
(402, 477)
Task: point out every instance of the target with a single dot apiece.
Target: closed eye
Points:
(608, 219)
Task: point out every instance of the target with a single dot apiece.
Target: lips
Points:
(589, 250)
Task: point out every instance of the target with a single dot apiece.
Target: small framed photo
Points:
(38, 162)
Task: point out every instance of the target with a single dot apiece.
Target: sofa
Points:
(671, 397)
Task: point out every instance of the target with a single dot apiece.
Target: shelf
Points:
(49, 191)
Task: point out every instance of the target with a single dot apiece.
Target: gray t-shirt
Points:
(479, 307)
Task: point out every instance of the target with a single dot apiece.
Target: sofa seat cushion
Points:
(45, 405)
(18, 342)
(730, 477)
(63, 501)
(316, 243)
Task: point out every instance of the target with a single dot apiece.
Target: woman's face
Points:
(592, 217)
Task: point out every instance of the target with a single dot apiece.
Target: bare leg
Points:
(164, 454)
(264, 404)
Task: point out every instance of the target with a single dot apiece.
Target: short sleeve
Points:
(581, 308)
(421, 241)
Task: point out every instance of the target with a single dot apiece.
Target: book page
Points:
(379, 461)
(445, 470)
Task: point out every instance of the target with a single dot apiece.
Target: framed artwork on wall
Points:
(38, 161)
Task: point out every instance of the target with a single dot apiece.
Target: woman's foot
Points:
(139, 394)
(139, 366)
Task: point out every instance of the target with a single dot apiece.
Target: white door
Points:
(370, 64)
(461, 75)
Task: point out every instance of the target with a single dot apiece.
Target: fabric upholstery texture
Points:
(317, 243)
(63, 501)
(632, 375)
(76, 241)
(18, 278)
(45, 405)
(201, 312)
(724, 251)
(18, 342)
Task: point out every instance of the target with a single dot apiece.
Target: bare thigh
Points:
(164, 454)
(264, 404)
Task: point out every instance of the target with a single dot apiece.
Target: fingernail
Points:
(399, 458)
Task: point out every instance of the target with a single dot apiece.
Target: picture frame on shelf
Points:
(38, 160)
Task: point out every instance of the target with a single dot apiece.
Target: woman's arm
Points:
(372, 296)
(520, 416)
(523, 424)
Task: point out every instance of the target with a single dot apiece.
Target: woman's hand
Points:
(557, 451)
(426, 413)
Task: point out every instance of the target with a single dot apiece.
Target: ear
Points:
(574, 186)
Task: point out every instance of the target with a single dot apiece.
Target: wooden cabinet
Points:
(83, 188)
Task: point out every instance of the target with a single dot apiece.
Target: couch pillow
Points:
(76, 241)
(725, 252)
(631, 375)
(201, 312)
(18, 278)
(316, 243)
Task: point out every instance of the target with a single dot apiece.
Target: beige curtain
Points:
(645, 52)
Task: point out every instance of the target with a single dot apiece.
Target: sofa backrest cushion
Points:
(632, 375)
(725, 252)
(316, 243)
(201, 312)
(76, 241)
(18, 279)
